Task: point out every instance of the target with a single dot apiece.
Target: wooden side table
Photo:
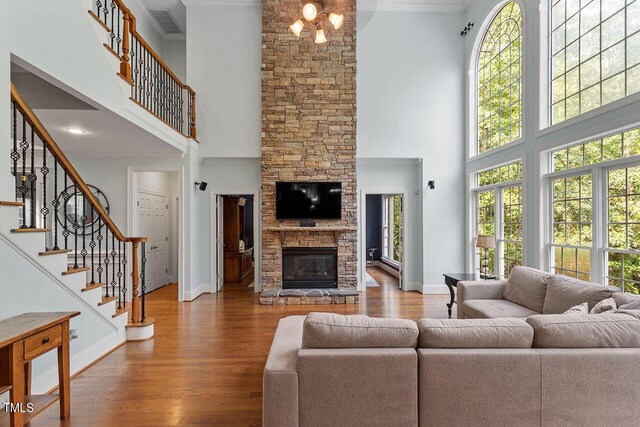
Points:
(452, 279)
(22, 339)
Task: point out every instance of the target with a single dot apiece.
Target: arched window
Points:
(499, 80)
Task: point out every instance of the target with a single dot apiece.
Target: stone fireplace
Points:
(308, 134)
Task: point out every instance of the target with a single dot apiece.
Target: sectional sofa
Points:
(542, 370)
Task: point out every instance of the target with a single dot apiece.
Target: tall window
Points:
(499, 102)
(595, 54)
(596, 211)
(392, 227)
(499, 213)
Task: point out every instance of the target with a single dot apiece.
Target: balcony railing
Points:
(153, 85)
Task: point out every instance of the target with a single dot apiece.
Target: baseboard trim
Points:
(195, 293)
(437, 289)
(48, 381)
(383, 266)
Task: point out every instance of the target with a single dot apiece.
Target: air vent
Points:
(166, 21)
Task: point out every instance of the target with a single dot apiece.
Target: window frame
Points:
(599, 202)
(498, 219)
(473, 152)
(388, 206)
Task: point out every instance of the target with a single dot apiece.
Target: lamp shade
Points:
(486, 242)
(320, 37)
(310, 11)
(296, 27)
(336, 20)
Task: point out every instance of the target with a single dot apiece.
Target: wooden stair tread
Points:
(120, 311)
(106, 300)
(55, 252)
(75, 270)
(30, 230)
(4, 388)
(9, 203)
(91, 286)
(147, 322)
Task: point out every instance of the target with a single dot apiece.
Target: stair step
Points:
(8, 203)
(91, 286)
(120, 312)
(75, 270)
(55, 252)
(30, 230)
(107, 300)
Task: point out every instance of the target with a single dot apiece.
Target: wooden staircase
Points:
(82, 248)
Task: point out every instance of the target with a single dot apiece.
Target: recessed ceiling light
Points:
(75, 131)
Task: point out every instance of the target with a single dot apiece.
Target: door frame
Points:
(132, 184)
(257, 236)
(363, 234)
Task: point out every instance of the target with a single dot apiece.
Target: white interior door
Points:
(220, 242)
(401, 242)
(153, 222)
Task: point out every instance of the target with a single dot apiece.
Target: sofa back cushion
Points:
(328, 330)
(527, 287)
(565, 292)
(585, 331)
(625, 298)
(474, 333)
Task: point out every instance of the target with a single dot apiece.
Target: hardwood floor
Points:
(204, 367)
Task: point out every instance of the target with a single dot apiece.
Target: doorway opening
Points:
(384, 241)
(235, 258)
(156, 215)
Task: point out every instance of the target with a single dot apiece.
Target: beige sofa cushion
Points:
(527, 287)
(328, 330)
(585, 331)
(625, 298)
(565, 292)
(474, 333)
(494, 308)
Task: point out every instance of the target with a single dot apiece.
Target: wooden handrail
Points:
(56, 152)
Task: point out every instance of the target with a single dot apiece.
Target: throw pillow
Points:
(578, 309)
(605, 306)
(564, 292)
(631, 306)
(625, 298)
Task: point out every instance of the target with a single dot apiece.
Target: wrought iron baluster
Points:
(118, 33)
(119, 274)
(143, 278)
(105, 12)
(23, 178)
(56, 204)
(32, 180)
(98, 5)
(99, 270)
(44, 211)
(106, 262)
(112, 35)
(75, 225)
(92, 244)
(65, 200)
(83, 218)
(15, 156)
(124, 275)
(113, 264)
(134, 62)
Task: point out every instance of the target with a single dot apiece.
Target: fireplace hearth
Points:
(307, 268)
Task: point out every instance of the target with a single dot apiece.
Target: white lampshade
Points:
(320, 37)
(336, 20)
(296, 27)
(310, 11)
(486, 242)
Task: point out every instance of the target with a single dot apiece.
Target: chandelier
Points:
(313, 12)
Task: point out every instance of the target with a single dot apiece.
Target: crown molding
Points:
(413, 5)
(227, 3)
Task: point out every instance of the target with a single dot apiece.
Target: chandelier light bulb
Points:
(320, 37)
(336, 20)
(296, 27)
(310, 11)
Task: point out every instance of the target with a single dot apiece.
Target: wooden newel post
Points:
(136, 303)
(125, 63)
(193, 114)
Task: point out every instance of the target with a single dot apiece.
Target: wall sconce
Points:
(201, 185)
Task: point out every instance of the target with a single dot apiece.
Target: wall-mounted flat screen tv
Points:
(308, 200)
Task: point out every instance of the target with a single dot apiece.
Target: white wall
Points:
(224, 52)
(24, 288)
(410, 80)
(174, 54)
(535, 140)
